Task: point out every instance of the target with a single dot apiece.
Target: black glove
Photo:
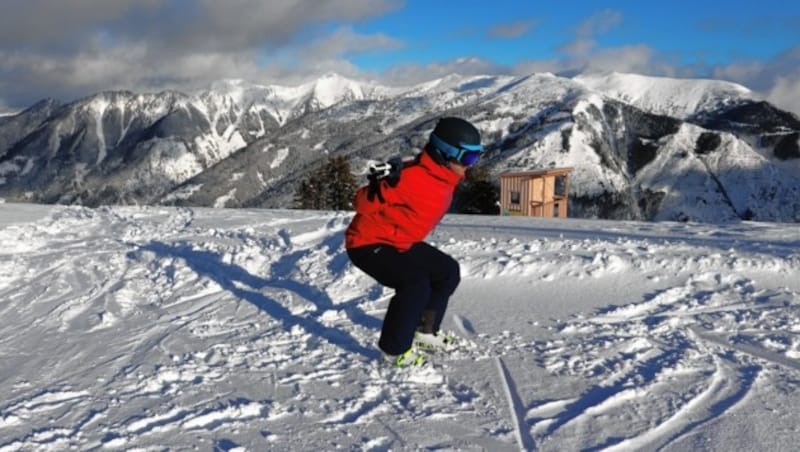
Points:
(389, 171)
(374, 189)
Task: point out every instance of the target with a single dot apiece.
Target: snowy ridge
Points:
(287, 102)
(171, 328)
(679, 98)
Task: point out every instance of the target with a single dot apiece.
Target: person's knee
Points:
(414, 284)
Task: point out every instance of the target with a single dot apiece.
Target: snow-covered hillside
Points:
(132, 328)
(636, 142)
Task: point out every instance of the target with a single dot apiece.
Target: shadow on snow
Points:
(211, 265)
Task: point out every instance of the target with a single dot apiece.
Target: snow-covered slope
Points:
(161, 328)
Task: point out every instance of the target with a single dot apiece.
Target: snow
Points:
(221, 201)
(680, 98)
(283, 102)
(214, 147)
(330, 88)
(280, 157)
(151, 328)
(182, 193)
(171, 158)
(98, 106)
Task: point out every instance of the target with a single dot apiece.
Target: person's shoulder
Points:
(410, 165)
(411, 161)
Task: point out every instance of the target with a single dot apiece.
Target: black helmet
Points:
(455, 139)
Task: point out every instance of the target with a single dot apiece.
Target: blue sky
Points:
(700, 35)
(709, 32)
(78, 47)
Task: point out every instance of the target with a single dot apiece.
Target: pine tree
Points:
(306, 195)
(330, 187)
(340, 184)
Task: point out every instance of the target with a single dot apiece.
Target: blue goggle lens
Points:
(466, 154)
(470, 158)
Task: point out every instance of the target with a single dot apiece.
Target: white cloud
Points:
(785, 94)
(345, 41)
(243, 24)
(188, 25)
(583, 52)
(5, 109)
(776, 80)
(408, 74)
(749, 71)
(60, 26)
(70, 49)
(511, 30)
(599, 23)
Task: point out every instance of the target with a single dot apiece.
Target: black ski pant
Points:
(423, 278)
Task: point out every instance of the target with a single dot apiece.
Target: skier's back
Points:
(394, 214)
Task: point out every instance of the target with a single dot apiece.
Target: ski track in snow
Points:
(129, 327)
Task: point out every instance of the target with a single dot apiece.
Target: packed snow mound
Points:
(679, 98)
(176, 328)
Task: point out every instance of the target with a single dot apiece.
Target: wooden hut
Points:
(541, 193)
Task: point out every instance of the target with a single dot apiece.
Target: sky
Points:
(72, 48)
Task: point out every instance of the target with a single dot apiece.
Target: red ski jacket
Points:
(412, 208)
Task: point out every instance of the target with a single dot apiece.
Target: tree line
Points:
(332, 186)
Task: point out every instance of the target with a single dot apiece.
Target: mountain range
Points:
(643, 148)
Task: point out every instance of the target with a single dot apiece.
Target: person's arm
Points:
(364, 203)
(383, 179)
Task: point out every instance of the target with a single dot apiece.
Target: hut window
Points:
(515, 197)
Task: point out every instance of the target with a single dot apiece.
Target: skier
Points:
(402, 203)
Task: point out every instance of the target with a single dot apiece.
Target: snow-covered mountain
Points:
(643, 147)
(679, 98)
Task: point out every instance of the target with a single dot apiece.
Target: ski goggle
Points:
(465, 154)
